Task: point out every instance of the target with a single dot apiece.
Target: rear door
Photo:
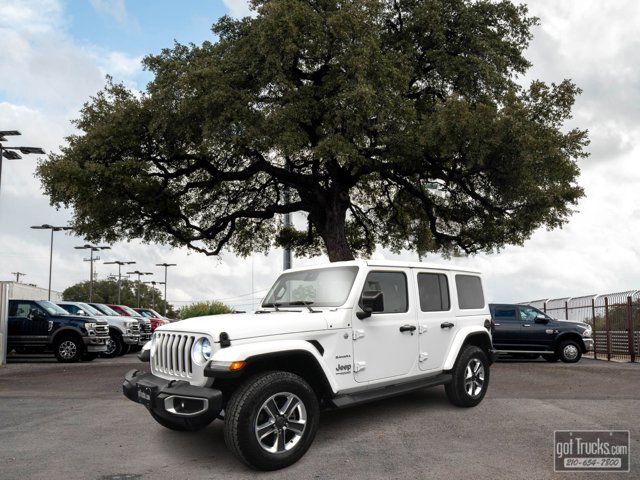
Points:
(506, 330)
(434, 316)
(385, 345)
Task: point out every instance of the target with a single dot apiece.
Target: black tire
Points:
(569, 351)
(126, 348)
(114, 345)
(551, 357)
(68, 349)
(248, 406)
(474, 358)
(89, 357)
(135, 348)
(181, 424)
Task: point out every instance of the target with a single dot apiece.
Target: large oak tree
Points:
(401, 123)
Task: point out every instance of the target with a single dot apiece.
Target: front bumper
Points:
(172, 398)
(131, 339)
(95, 343)
(588, 344)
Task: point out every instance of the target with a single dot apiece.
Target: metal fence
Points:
(614, 317)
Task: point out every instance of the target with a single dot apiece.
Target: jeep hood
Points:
(248, 325)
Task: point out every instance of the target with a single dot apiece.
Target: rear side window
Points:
(470, 293)
(393, 286)
(433, 289)
(504, 314)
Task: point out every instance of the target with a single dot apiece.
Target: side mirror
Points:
(37, 315)
(371, 301)
(541, 319)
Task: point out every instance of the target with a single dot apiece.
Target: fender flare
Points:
(572, 335)
(63, 330)
(253, 352)
(459, 340)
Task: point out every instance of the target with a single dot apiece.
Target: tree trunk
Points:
(330, 225)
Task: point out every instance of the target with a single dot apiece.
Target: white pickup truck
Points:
(330, 336)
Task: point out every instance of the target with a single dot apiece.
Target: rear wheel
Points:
(569, 351)
(181, 424)
(271, 420)
(68, 349)
(470, 377)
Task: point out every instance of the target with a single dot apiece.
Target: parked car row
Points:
(76, 331)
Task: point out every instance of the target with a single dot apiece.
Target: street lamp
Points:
(153, 283)
(10, 153)
(139, 273)
(166, 266)
(92, 248)
(120, 263)
(53, 229)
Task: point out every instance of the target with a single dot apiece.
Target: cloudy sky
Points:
(56, 53)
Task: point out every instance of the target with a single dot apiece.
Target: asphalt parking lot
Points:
(72, 422)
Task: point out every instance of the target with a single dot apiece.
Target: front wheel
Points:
(470, 378)
(271, 420)
(68, 349)
(569, 351)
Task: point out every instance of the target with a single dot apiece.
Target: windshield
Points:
(106, 310)
(52, 308)
(324, 287)
(89, 309)
(130, 311)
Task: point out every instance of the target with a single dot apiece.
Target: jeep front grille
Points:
(172, 354)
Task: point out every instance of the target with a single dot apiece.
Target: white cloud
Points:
(113, 8)
(239, 8)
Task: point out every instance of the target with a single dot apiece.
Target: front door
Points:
(506, 327)
(436, 321)
(385, 344)
(535, 335)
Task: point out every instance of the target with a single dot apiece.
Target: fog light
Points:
(185, 406)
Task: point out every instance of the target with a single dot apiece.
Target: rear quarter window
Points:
(470, 294)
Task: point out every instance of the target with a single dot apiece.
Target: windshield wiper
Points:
(306, 304)
(272, 304)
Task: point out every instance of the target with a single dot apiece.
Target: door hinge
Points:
(422, 329)
(423, 356)
(358, 334)
(359, 366)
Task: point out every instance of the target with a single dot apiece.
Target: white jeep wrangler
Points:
(329, 336)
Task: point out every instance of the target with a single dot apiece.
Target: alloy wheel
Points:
(281, 422)
(68, 349)
(474, 377)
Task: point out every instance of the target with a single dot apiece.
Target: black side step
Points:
(356, 398)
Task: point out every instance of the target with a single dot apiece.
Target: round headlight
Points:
(201, 351)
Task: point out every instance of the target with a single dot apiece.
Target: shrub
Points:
(202, 309)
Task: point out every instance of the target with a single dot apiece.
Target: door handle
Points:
(446, 325)
(526, 325)
(496, 324)
(407, 328)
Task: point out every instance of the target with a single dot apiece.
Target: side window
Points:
(70, 308)
(19, 309)
(393, 286)
(504, 314)
(433, 289)
(470, 293)
(528, 314)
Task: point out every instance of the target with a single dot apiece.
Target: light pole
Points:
(92, 248)
(10, 152)
(153, 284)
(18, 275)
(166, 266)
(53, 229)
(120, 263)
(139, 273)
